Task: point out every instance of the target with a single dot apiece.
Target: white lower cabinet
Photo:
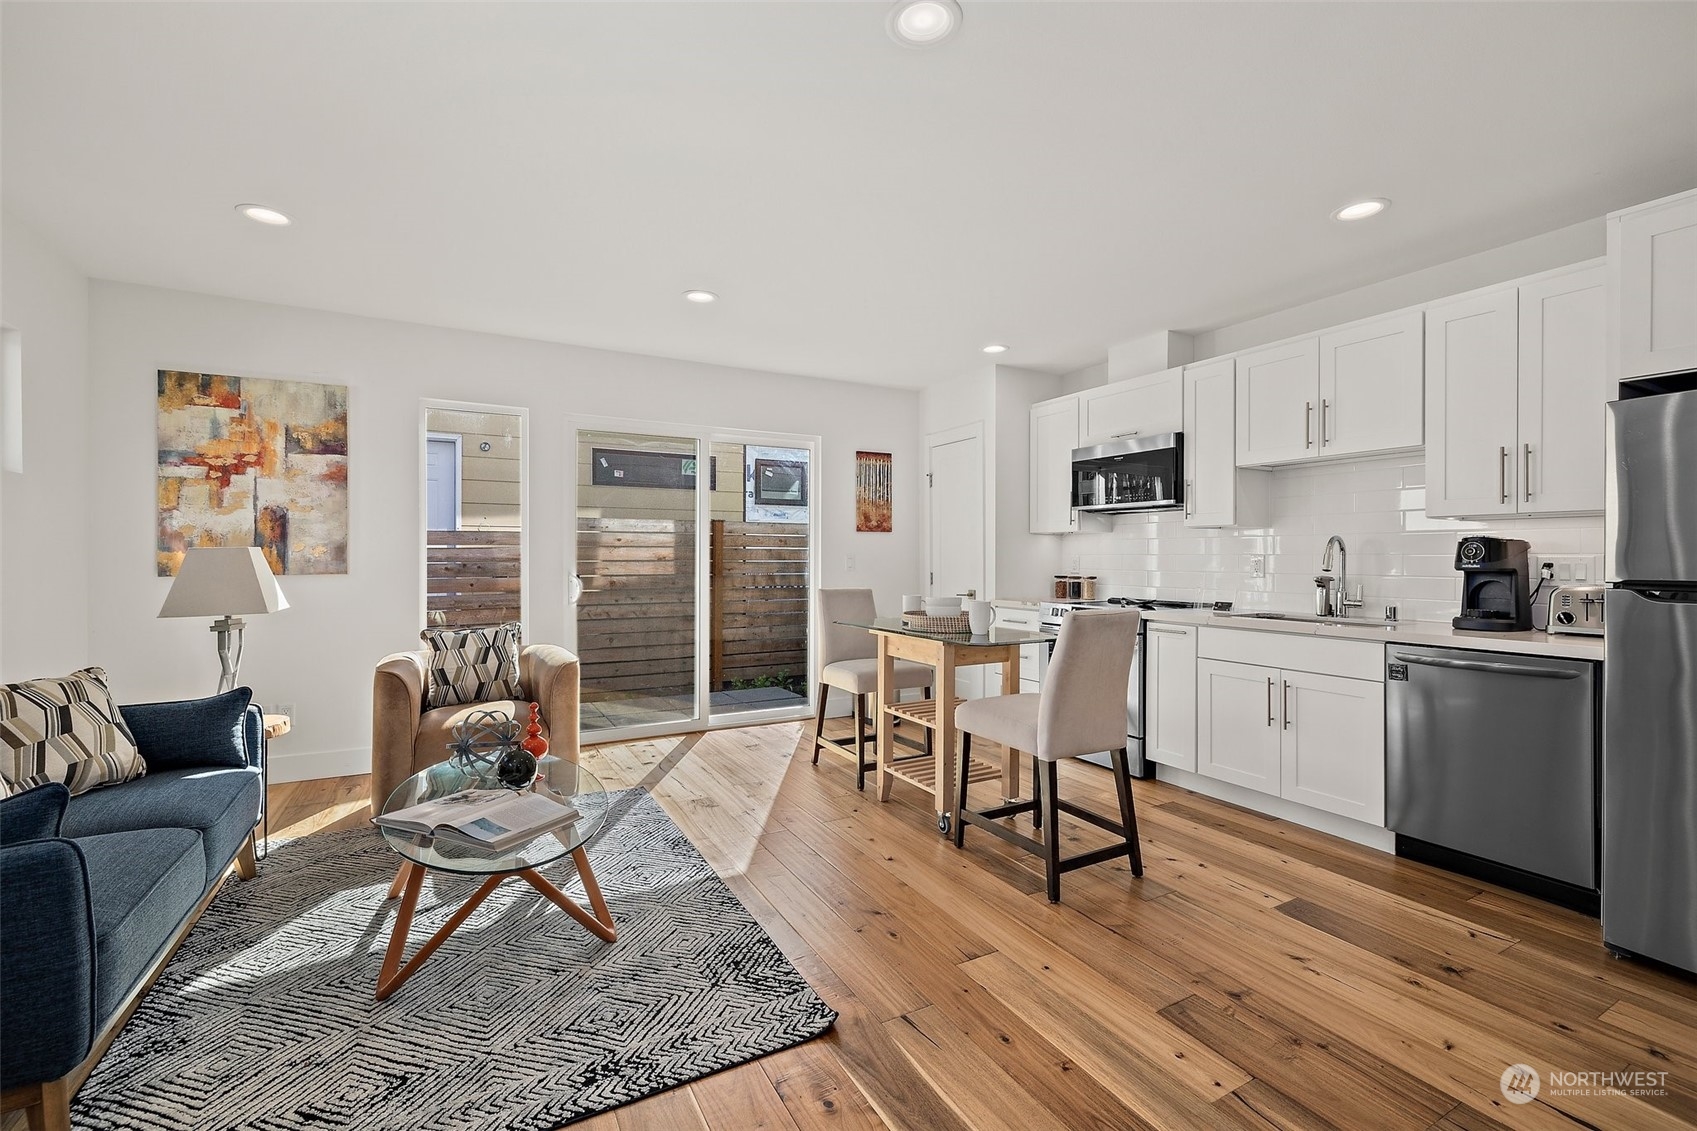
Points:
(1237, 732)
(1169, 695)
(1332, 744)
(1318, 740)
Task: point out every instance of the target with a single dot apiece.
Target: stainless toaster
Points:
(1577, 608)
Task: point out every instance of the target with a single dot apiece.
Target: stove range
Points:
(1053, 612)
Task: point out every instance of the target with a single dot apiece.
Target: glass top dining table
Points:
(995, 637)
(946, 652)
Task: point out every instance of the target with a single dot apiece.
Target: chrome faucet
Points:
(1335, 595)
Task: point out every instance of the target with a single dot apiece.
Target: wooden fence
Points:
(759, 609)
(472, 577)
(636, 618)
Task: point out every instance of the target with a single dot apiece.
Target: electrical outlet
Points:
(286, 709)
(1074, 563)
(851, 563)
(1566, 569)
(1257, 566)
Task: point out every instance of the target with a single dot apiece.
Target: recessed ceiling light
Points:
(922, 23)
(260, 214)
(701, 296)
(995, 349)
(1361, 209)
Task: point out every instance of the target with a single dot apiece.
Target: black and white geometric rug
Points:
(522, 1021)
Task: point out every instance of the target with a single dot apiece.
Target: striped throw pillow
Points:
(471, 665)
(65, 730)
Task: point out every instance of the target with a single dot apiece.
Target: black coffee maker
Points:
(1496, 595)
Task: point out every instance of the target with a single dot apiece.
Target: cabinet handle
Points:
(1502, 474)
(1269, 700)
(1123, 435)
(1286, 703)
(1324, 405)
(1308, 424)
(1187, 498)
(1168, 631)
(1528, 473)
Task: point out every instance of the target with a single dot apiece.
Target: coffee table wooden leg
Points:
(599, 924)
(393, 975)
(400, 880)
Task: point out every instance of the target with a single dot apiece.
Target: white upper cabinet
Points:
(1653, 264)
(1210, 463)
(1278, 393)
(1054, 434)
(1142, 406)
(1564, 384)
(1471, 381)
(1516, 381)
(1370, 386)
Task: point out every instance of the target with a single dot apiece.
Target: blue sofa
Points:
(97, 890)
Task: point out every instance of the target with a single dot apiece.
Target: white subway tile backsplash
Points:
(1397, 553)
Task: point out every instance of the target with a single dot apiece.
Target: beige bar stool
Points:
(1081, 710)
(848, 661)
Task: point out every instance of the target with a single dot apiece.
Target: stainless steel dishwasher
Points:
(1491, 767)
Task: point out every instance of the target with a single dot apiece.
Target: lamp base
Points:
(229, 632)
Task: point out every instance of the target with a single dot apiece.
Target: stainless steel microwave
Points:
(1137, 473)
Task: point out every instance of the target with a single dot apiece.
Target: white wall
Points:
(1378, 506)
(998, 398)
(319, 654)
(1511, 261)
(45, 526)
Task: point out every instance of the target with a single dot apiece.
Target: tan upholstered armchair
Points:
(405, 738)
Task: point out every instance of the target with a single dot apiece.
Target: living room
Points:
(875, 250)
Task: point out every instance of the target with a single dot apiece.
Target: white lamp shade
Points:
(223, 581)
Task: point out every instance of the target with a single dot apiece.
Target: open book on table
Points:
(496, 819)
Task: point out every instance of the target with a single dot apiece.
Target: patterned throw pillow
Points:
(65, 730)
(471, 665)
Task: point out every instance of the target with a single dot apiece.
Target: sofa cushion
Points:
(33, 814)
(142, 885)
(191, 732)
(65, 730)
(471, 665)
(221, 804)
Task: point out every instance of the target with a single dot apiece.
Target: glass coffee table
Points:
(556, 778)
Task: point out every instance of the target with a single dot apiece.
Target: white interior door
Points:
(955, 513)
(442, 481)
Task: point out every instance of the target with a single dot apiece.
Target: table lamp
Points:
(225, 582)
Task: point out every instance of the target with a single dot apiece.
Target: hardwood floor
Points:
(1260, 975)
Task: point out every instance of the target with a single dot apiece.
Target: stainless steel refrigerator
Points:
(1650, 677)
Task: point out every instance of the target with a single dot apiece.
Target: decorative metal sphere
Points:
(482, 737)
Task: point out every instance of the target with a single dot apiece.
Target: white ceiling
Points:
(1061, 176)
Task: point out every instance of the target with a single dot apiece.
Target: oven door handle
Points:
(1486, 666)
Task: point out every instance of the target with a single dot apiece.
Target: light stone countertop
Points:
(1439, 633)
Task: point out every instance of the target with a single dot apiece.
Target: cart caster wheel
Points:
(943, 824)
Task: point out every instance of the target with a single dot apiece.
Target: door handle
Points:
(1502, 474)
(1286, 703)
(1269, 700)
(1324, 405)
(1308, 424)
(1527, 472)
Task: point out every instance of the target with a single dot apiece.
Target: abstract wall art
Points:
(872, 492)
(247, 461)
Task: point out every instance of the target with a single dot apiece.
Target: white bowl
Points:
(942, 606)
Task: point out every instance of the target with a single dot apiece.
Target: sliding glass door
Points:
(637, 623)
(695, 575)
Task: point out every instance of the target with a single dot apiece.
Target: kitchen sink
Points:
(1309, 618)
